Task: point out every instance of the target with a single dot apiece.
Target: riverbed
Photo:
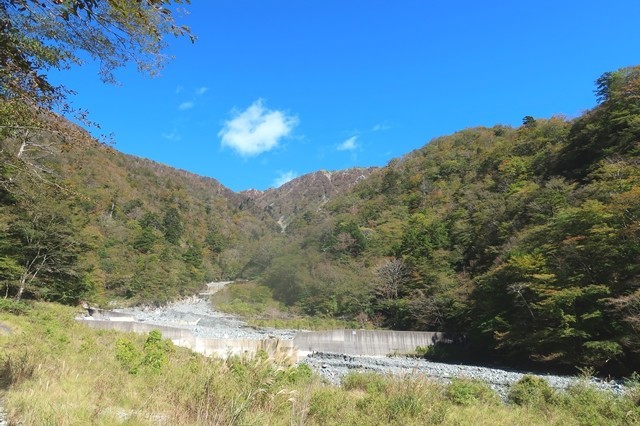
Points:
(198, 315)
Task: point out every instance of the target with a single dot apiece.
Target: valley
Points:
(406, 213)
(524, 239)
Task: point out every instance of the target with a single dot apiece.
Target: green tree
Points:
(47, 249)
(41, 243)
(39, 35)
(287, 277)
(214, 240)
(422, 235)
(528, 121)
(347, 239)
(145, 240)
(612, 128)
(193, 255)
(172, 225)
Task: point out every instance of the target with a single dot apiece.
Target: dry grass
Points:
(56, 371)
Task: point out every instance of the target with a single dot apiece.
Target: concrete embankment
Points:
(209, 347)
(194, 324)
(351, 342)
(364, 342)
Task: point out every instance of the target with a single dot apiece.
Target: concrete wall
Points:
(351, 342)
(173, 333)
(210, 347)
(223, 348)
(364, 342)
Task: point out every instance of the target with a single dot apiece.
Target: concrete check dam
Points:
(192, 323)
(198, 333)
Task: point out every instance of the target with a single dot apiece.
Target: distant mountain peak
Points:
(251, 192)
(310, 191)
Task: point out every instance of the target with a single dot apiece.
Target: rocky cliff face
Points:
(307, 192)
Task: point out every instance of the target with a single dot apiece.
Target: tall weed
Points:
(56, 371)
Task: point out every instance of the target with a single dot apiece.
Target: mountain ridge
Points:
(307, 192)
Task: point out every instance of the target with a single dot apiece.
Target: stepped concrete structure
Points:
(183, 337)
(365, 342)
(348, 342)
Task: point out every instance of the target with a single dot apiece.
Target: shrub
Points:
(15, 307)
(154, 356)
(406, 404)
(156, 351)
(531, 390)
(127, 355)
(422, 351)
(467, 392)
(633, 388)
(299, 374)
(369, 382)
(592, 406)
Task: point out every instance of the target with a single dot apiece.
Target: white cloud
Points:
(256, 129)
(200, 91)
(379, 127)
(349, 144)
(172, 136)
(186, 105)
(284, 178)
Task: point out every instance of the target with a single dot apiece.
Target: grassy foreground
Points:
(56, 371)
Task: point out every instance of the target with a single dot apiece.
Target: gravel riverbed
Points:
(333, 367)
(196, 314)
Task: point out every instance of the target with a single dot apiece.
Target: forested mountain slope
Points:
(527, 239)
(80, 219)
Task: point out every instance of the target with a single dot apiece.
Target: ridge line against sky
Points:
(276, 89)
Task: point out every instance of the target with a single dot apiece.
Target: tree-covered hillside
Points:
(527, 240)
(80, 220)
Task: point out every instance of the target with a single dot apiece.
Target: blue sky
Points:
(276, 89)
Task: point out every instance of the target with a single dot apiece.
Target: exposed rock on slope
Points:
(308, 192)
